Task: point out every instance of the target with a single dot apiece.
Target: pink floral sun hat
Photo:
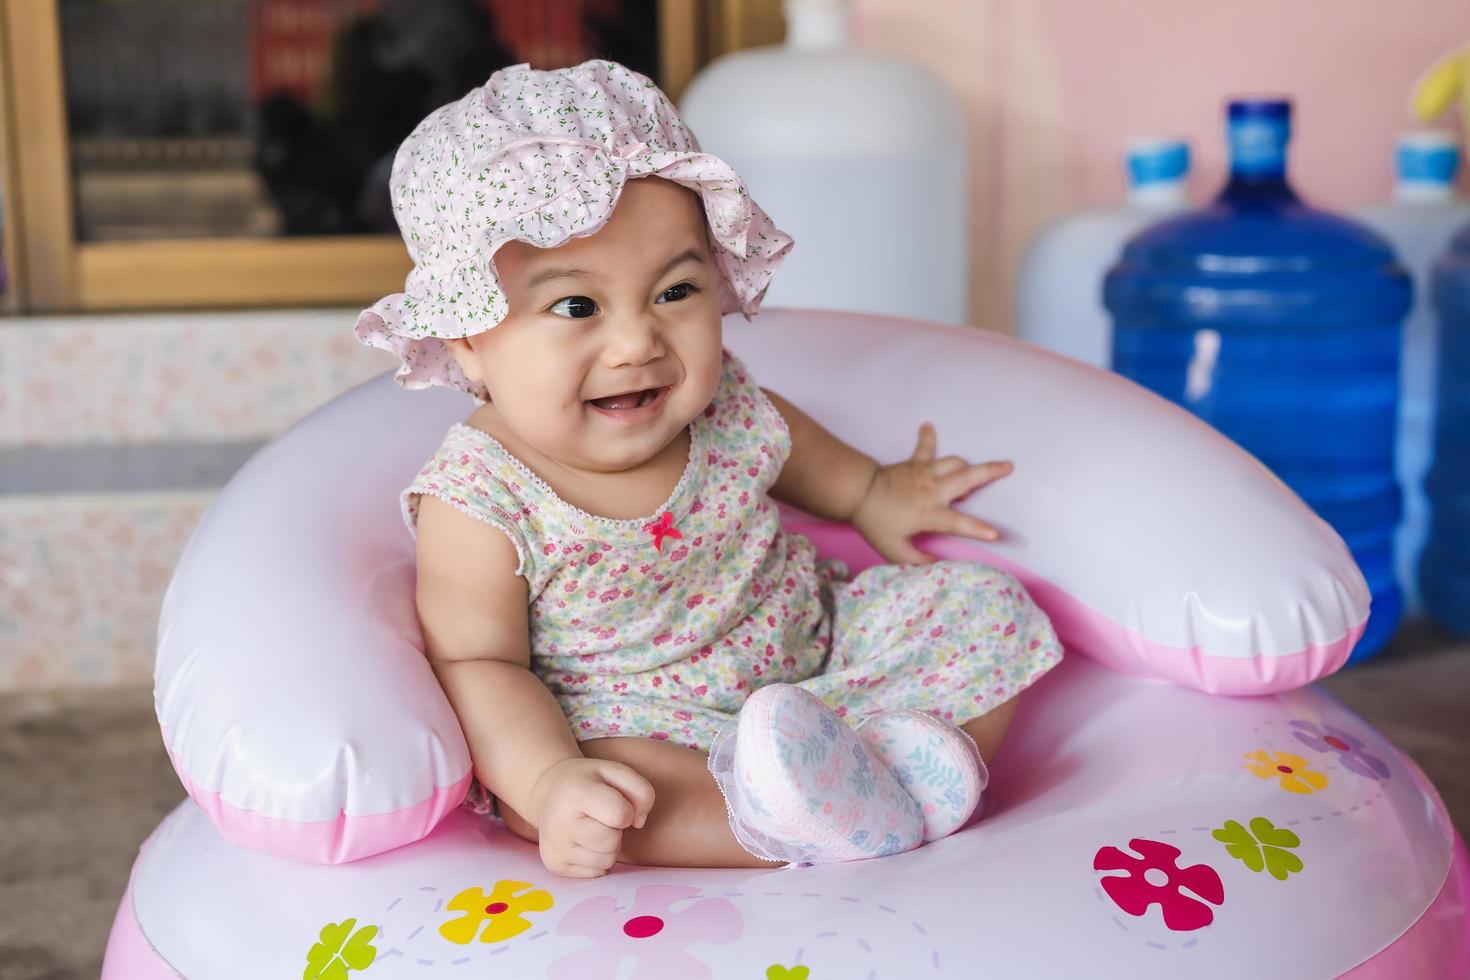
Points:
(541, 157)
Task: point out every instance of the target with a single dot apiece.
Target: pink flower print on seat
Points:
(662, 528)
(1157, 878)
(655, 935)
(1350, 752)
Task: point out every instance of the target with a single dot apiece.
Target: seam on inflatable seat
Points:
(329, 845)
(1456, 846)
(142, 934)
(1124, 648)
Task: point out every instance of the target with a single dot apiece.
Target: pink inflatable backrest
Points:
(301, 715)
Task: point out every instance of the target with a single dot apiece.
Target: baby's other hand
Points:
(916, 496)
(582, 807)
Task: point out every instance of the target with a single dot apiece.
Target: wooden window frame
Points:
(50, 271)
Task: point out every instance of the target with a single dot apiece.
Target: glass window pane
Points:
(229, 118)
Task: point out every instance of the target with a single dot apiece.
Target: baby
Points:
(646, 667)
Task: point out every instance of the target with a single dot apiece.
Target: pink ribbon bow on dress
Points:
(662, 528)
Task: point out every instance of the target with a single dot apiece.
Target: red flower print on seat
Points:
(1157, 877)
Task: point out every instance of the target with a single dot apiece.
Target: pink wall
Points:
(1055, 88)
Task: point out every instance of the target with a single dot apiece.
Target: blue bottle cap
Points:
(1157, 160)
(1258, 130)
(1427, 157)
(1272, 109)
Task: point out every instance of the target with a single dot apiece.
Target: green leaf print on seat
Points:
(340, 951)
(1263, 847)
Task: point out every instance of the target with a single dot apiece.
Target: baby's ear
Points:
(464, 356)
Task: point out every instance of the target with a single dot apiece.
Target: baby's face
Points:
(612, 345)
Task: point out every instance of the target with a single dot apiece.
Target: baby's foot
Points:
(936, 762)
(801, 786)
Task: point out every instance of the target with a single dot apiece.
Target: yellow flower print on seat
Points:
(501, 909)
(1290, 769)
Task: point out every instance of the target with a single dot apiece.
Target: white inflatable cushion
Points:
(302, 717)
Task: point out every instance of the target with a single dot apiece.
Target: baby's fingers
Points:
(950, 521)
(569, 870)
(587, 833)
(582, 857)
(636, 791)
(924, 451)
(608, 801)
(562, 855)
(958, 484)
(949, 464)
(902, 550)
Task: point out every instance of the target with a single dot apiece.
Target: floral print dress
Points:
(661, 627)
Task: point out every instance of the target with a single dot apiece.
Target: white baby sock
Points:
(938, 764)
(801, 786)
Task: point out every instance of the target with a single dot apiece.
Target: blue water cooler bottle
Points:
(1444, 571)
(1279, 325)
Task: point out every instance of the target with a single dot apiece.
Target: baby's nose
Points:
(633, 340)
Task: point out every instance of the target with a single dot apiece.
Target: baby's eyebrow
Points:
(549, 275)
(688, 255)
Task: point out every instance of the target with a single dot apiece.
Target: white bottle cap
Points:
(817, 25)
(1157, 169)
(1425, 163)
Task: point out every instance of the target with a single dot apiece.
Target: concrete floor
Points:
(83, 779)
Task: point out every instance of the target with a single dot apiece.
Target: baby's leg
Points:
(688, 825)
(990, 728)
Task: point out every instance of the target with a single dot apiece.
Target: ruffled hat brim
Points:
(452, 207)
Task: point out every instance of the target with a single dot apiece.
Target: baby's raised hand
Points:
(914, 496)
(582, 808)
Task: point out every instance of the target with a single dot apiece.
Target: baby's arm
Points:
(888, 505)
(472, 607)
(823, 475)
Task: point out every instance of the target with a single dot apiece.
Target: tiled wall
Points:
(115, 433)
(147, 378)
(81, 578)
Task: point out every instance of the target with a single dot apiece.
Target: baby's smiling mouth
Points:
(627, 400)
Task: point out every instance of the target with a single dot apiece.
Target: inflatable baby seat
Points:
(1133, 828)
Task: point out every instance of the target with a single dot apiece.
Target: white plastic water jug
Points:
(859, 156)
(1420, 218)
(1059, 289)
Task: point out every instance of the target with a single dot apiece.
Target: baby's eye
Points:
(682, 291)
(577, 307)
